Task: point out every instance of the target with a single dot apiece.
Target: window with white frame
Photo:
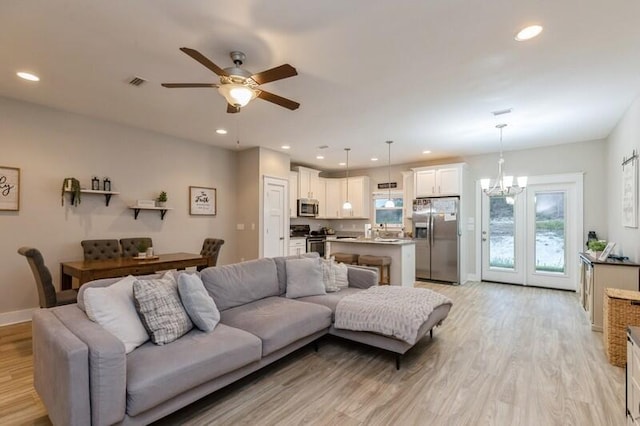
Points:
(390, 216)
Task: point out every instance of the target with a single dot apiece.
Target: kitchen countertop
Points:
(382, 241)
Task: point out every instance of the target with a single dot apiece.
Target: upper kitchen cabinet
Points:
(293, 194)
(438, 181)
(359, 196)
(309, 185)
(332, 200)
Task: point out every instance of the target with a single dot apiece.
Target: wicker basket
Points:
(621, 309)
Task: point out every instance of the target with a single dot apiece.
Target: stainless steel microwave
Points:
(307, 207)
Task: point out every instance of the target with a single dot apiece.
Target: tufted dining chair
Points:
(100, 249)
(47, 294)
(211, 249)
(130, 245)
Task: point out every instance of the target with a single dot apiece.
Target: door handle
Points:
(484, 239)
(281, 238)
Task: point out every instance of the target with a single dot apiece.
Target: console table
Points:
(89, 270)
(596, 275)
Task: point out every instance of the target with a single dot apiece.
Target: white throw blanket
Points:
(389, 310)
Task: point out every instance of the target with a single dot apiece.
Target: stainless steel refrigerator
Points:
(436, 234)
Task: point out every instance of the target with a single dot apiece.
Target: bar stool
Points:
(383, 263)
(348, 258)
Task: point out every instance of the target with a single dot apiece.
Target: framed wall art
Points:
(202, 201)
(630, 191)
(9, 188)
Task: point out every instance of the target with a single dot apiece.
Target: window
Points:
(392, 217)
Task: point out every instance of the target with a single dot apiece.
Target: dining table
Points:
(89, 270)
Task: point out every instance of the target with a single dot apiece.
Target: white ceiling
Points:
(426, 74)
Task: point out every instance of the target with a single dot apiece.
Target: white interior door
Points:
(535, 240)
(276, 217)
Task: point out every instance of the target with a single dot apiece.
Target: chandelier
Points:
(503, 186)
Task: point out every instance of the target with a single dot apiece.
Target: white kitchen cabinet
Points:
(318, 186)
(308, 183)
(297, 246)
(359, 196)
(293, 194)
(333, 198)
(437, 181)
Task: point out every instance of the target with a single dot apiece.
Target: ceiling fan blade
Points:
(232, 109)
(277, 73)
(204, 61)
(278, 100)
(181, 85)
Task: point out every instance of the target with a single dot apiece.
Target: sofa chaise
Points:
(84, 376)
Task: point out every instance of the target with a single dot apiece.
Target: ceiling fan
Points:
(239, 86)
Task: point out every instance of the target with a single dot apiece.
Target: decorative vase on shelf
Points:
(161, 204)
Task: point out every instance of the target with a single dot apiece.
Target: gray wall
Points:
(621, 143)
(49, 145)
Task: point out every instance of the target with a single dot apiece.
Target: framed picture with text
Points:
(202, 201)
(9, 188)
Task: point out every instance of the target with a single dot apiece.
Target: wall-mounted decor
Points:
(9, 188)
(202, 201)
(630, 191)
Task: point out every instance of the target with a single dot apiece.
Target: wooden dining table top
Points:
(123, 262)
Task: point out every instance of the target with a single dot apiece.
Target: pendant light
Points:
(347, 203)
(389, 204)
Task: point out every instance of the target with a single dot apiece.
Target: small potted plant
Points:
(71, 185)
(596, 247)
(142, 249)
(161, 201)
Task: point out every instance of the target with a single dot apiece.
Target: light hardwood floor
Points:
(507, 355)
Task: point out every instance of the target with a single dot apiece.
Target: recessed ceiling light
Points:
(320, 157)
(374, 159)
(342, 164)
(285, 147)
(529, 32)
(426, 152)
(27, 76)
(221, 131)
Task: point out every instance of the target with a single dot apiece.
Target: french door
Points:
(534, 238)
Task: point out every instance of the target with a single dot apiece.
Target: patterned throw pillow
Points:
(160, 309)
(329, 274)
(342, 275)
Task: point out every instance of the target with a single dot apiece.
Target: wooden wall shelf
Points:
(107, 195)
(162, 210)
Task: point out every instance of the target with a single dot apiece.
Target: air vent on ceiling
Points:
(502, 111)
(137, 81)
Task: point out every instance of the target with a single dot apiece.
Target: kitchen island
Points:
(401, 251)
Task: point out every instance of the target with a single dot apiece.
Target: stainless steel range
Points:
(316, 240)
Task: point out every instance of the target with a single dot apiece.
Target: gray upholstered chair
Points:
(211, 249)
(130, 245)
(46, 291)
(100, 249)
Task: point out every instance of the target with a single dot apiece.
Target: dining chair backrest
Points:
(211, 249)
(130, 246)
(44, 282)
(100, 249)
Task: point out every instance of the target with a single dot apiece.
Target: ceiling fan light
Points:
(237, 94)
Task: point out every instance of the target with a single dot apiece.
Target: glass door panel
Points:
(550, 235)
(501, 233)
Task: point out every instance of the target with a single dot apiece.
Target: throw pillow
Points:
(114, 309)
(304, 278)
(342, 275)
(160, 309)
(329, 275)
(199, 305)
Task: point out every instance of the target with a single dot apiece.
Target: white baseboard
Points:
(7, 318)
(471, 277)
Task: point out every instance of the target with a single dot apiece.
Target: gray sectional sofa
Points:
(84, 377)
